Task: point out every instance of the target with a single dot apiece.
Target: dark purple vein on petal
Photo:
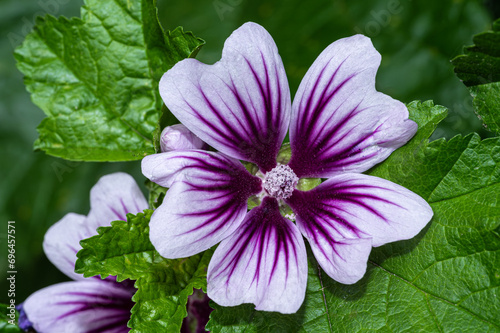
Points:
(210, 125)
(120, 321)
(313, 112)
(228, 186)
(222, 120)
(325, 142)
(263, 228)
(316, 219)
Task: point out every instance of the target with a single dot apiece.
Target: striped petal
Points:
(347, 214)
(206, 202)
(80, 307)
(264, 262)
(241, 104)
(340, 123)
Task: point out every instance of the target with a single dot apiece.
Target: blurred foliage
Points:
(417, 39)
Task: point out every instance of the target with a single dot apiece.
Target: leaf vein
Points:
(432, 313)
(452, 165)
(464, 194)
(435, 296)
(446, 259)
(475, 292)
(86, 84)
(324, 299)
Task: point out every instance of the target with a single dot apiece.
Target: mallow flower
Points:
(85, 304)
(339, 126)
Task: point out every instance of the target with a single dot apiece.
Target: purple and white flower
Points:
(86, 304)
(339, 126)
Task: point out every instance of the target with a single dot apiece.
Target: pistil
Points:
(280, 182)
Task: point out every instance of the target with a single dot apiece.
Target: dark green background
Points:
(417, 39)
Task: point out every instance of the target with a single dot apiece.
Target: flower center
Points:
(280, 182)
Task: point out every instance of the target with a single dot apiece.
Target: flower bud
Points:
(177, 137)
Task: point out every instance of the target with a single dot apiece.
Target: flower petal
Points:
(206, 202)
(112, 198)
(164, 168)
(62, 242)
(241, 104)
(264, 262)
(339, 121)
(178, 137)
(344, 260)
(347, 214)
(80, 306)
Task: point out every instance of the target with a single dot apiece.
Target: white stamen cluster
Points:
(280, 182)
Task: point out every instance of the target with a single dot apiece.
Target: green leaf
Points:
(124, 250)
(162, 294)
(6, 321)
(479, 69)
(445, 279)
(96, 78)
(156, 194)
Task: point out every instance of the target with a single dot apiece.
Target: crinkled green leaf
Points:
(162, 294)
(124, 250)
(5, 320)
(156, 194)
(446, 279)
(479, 68)
(96, 78)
